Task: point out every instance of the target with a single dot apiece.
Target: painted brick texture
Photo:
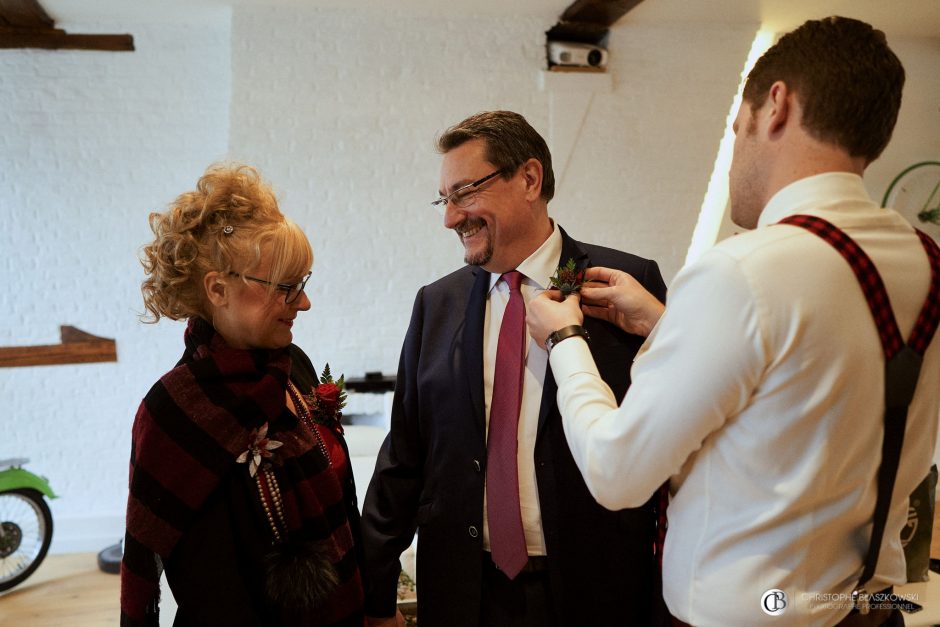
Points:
(339, 109)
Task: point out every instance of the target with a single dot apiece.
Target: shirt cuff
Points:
(570, 357)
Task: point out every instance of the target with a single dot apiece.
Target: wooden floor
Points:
(65, 590)
(70, 590)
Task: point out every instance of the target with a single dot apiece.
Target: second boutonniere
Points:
(327, 399)
(568, 278)
(259, 449)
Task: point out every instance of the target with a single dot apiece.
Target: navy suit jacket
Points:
(430, 474)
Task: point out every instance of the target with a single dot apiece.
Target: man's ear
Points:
(217, 288)
(532, 175)
(779, 107)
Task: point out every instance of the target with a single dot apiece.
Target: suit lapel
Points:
(570, 249)
(474, 317)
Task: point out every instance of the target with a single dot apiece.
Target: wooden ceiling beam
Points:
(600, 12)
(25, 24)
(589, 21)
(24, 14)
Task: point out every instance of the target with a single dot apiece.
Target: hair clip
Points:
(228, 229)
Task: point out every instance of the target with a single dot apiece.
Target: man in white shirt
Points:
(760, 389)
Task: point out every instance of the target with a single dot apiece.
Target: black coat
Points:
(216, 571)
(430, 471)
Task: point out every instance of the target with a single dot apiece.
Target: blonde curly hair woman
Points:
(240, 486)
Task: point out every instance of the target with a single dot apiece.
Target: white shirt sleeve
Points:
(697, 370)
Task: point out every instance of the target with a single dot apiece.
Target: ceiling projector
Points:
(575, 54)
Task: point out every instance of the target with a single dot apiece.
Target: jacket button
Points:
(476, 464)
(473, 531)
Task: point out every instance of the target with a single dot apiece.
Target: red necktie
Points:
(507, 539)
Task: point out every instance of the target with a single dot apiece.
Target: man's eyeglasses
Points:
(291, 291)
(463, 196)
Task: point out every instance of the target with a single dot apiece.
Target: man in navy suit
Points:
(583, 564)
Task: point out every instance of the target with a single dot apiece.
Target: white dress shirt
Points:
(760, 392)
(537, 269)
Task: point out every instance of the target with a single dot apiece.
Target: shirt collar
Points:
(539, 267)
(804, 194)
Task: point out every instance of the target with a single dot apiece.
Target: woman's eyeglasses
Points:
(291, 291)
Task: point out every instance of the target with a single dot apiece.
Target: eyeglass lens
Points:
(293, 291)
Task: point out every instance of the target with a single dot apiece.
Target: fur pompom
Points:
(299, 575)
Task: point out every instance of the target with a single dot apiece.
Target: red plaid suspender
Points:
(927, 321)
(874, 288)
(662, 522)
(902, 362)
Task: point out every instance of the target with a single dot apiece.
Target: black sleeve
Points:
(389, 511)
(652, 280)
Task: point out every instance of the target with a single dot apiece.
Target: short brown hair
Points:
(510, 142)
(221, 226)
(846, 78)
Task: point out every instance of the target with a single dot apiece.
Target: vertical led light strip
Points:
(716, 196)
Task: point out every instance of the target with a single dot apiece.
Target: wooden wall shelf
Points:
(77, 347)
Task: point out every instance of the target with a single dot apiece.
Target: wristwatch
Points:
(564, 334)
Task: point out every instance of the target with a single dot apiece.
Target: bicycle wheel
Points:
(25, 534)
(915, 194)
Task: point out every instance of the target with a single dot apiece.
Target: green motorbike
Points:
(25, 522)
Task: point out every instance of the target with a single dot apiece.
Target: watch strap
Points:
(564, 333)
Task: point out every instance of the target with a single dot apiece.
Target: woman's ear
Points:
(217, 288)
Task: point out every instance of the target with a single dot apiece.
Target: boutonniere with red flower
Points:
(259, 449)
(327, 399)
(568, 279)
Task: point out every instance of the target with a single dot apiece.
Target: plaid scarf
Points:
(190, 429)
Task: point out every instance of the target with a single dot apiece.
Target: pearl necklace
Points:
(268, 489)
(303, 412)
(274, 511)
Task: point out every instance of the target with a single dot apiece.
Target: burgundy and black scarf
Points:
(190, 428)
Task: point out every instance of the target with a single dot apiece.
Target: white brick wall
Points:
(339, 109)
(917, 134)
(91, 143)
(345, 123)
